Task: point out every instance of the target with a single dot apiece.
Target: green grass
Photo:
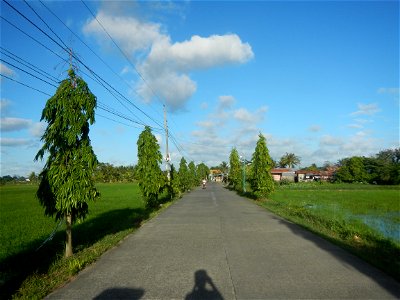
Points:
(29, 273)
(364, 219)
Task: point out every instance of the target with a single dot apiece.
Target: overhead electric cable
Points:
(26, 85)
(29, 73)
(122, 52)
(45, 24)
(28, 65)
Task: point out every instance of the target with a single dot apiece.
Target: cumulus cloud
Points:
(225, 103)
(366, 109)
(14, 124)
(165, 64)
(355, 126)
(244, 115)
(131, 34)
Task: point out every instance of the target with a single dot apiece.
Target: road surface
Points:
(213, 244)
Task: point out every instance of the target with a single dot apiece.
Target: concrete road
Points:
(213, 244)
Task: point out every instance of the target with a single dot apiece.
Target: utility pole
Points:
(167, 158)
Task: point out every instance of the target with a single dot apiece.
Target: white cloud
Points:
(14, 124)
(13, 142)
(6, 70)
(225, 103)
(164, 64)
(391, 91)
(355, 126)
(366, 109)
(244, 115)
(37, 129)
(4, 105)
(130, 34)
(314, 128)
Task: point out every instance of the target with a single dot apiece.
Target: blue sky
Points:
(318, 79)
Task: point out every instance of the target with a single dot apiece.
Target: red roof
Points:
(280, 170)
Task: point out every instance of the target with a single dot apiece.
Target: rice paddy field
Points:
(364, 219)
(26, 259)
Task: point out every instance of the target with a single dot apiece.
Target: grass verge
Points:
(28, 273)
(336, 214)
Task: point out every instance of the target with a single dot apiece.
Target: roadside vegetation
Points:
(31, 269)
(362, 218)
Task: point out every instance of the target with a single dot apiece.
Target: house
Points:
(216, 175)
(279, 174)
(316, 175)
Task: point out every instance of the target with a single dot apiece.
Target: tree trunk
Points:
(68, 237)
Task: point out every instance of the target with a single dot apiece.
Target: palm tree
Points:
(289, 160)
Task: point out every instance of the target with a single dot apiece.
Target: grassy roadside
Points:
(334, 212)
(28, 273)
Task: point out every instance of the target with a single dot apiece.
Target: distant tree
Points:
(202, 172)
(33, 177)
(312, 167)
(289, 160)
(183, 174)
(66, 184)
(192, 176)
(352, 170)
(173, 187)
(235, 172)
(262, 183)
(223, 167)
(151, 179)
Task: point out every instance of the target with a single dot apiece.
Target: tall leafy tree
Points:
(202, 172)
(151, 179)
(66, 184)
(352, 170)
(289, 160)
(192, 174)
(262, 183)
(235, 172)
(183, 174)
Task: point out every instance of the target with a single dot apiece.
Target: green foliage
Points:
(183, 174)
(235, 173)
(202, 172)
(192, 174)
(352, 170)
(151, 179)
(341, 217)
(261, 182)
(66, 184)
(174, 186)
(106, 172)
(289, 160)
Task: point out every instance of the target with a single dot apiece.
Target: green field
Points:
(364, 219)
(24, 227)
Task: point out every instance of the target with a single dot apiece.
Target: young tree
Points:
(202, 172)
(66, 184)
(289, 160)
(151, 179)
(262, 183)
(183, 174)
(235, 173)
(192, 174)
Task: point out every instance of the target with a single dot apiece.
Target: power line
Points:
(26, 85)
(45, 23)
(78, 59)
(28, 65)
(29, 73)
(122, 52)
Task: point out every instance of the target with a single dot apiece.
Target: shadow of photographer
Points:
(204, 287)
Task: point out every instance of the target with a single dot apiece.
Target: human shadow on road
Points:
(120, 293)
(200, 290)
